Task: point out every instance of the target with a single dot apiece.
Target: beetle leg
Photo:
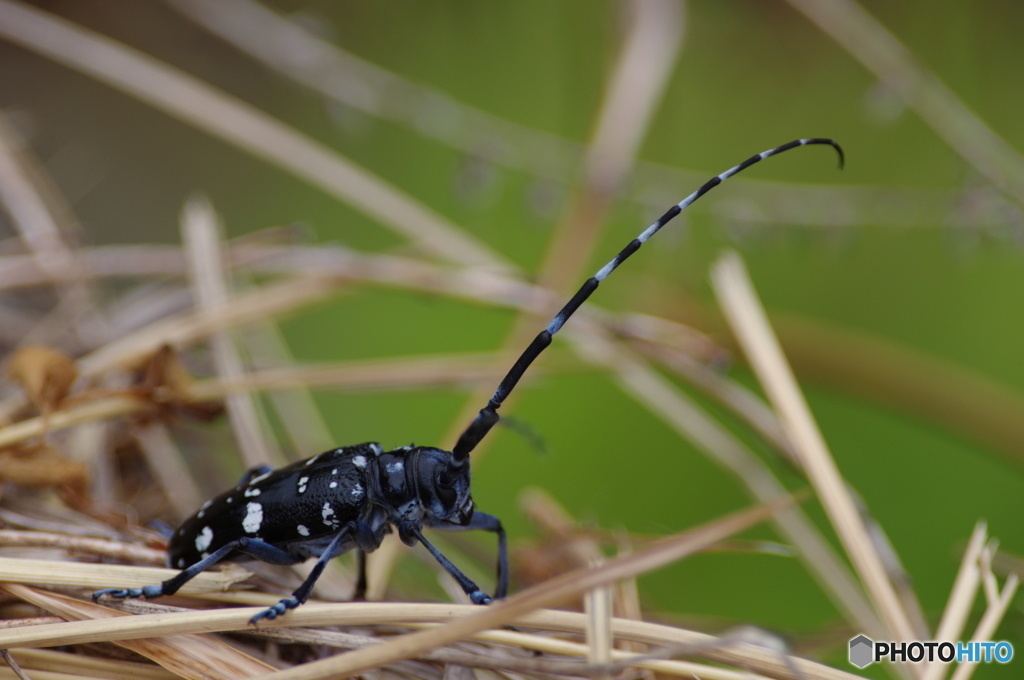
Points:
(360, 593)
(478, 596)
(484, 522)
(254, 472)
(161, 527)
(253, 547)
(301, 593)
(366, 542)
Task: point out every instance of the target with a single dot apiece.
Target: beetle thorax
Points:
(421, 483)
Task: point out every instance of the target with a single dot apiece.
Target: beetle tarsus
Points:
(278, 609)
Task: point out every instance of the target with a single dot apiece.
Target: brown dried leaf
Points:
(562, 546)
(164, 375)
(43, 467)
(46, 374)
(167, 383)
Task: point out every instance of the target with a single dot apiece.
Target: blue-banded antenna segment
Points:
(488, 416)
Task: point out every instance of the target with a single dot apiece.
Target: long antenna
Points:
(488, 416)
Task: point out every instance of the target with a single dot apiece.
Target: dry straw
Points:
(750, 324)
(109, 404)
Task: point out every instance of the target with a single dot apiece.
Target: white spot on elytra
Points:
(377, 450)
(204, 539)
(359, 462)
(356, 492)
(333, 484)
(253, 518)
(302, 484)
(303, 531)
(249, 493)
(334, 471)
(397, 466)
(230, 499)
(181, 563)
(328, 514)
(202, 510)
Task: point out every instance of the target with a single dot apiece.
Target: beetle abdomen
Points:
(286, 508)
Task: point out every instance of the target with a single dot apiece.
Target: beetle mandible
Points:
(352, 496)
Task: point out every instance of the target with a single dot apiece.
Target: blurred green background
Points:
(912, 246)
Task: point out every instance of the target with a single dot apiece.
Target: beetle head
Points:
(443, 487)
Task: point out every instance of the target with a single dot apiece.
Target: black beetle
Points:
(351, 497)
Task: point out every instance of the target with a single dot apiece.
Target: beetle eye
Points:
(445, 492)
(445, 480)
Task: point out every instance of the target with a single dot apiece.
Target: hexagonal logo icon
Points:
(861, 651)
